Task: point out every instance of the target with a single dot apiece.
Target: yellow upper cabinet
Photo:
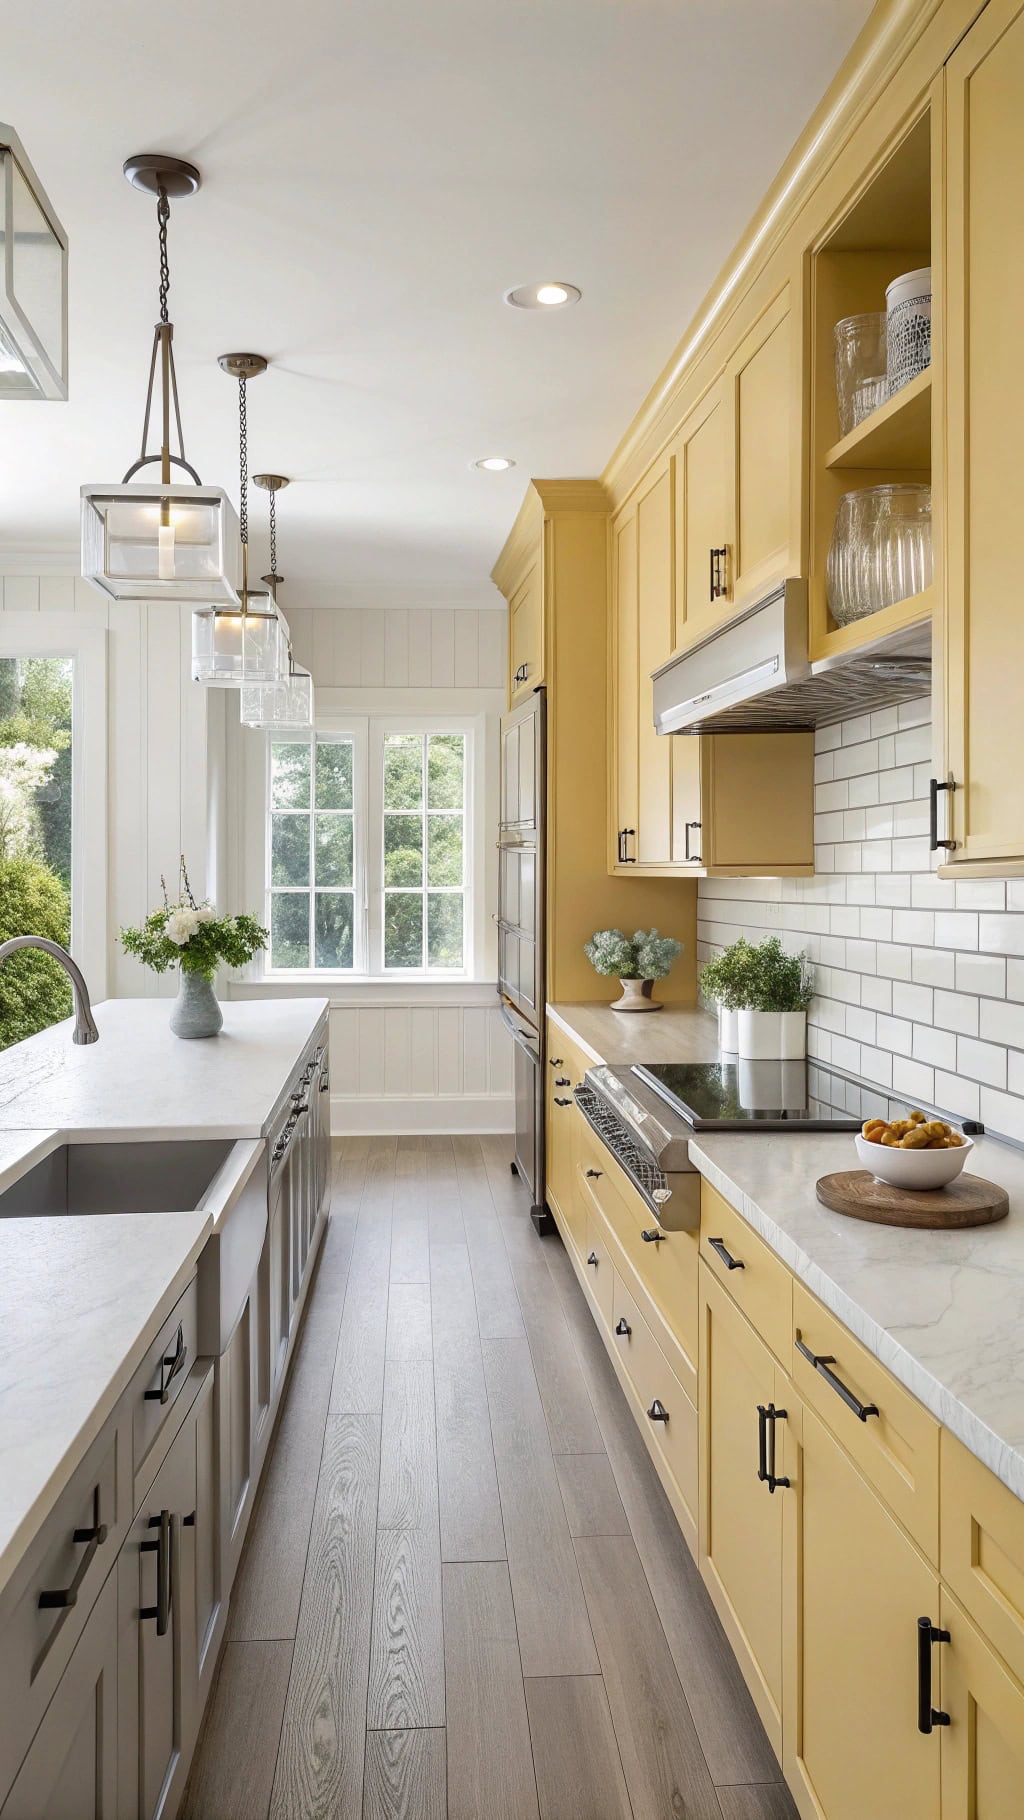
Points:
(701, 457)
(526, 634)
(984, 649)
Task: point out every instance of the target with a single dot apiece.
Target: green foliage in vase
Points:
(779, 981)
(646, 955)
(725, 980)
(192, 936)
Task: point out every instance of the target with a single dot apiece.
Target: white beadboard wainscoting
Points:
(419, 1060)
(920, 979)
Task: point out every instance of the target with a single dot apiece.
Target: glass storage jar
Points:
(860, 367)
(881, 550)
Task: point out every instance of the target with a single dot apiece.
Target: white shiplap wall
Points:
(400, 647)
(920, 979)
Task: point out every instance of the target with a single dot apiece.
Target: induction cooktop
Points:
(748, 1096)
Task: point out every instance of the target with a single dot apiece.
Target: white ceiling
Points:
(376, 175)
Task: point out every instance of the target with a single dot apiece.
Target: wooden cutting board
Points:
(969, 1201)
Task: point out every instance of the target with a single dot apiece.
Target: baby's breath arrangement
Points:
(646, 955)
(193, 936)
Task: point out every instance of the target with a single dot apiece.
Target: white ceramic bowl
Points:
(913, 1168)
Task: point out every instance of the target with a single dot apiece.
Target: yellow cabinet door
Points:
(856, 1586)
(526, 635)
(654, 647)
(704, 512)
(760, 385)
(741, 1519)
(623, 696)
(757, 796)
(984, 268)
(983, 1745)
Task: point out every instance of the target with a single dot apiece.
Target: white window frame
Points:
(25, 635)
(368, 733)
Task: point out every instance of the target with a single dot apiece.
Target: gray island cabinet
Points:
(114, 1608)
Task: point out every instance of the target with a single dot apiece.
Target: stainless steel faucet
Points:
(85, 1024)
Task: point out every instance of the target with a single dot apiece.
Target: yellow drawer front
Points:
(600, 1272)
(666, 1266)
(757, 1280)
(566, 1066)
(982, 1558)
(666, 1414)
(897, 1448)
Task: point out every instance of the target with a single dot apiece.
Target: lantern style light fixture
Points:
(33, 282)
(243, 642)
(287, 707)
(165, 539)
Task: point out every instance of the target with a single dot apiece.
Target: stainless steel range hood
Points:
(753, 675)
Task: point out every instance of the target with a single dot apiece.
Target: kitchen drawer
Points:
(71, 1556)
(896, 1446)
(566, 1061)
(162, 1376)
(672, 1427)
(600, 1272)
(982, 1548)
(757, 1280)
(666, 1266)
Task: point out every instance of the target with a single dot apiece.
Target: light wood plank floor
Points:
(464, 1593)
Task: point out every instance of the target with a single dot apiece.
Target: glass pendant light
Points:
(233, 645)
(287, 707)
(168, 539)
(33, 282)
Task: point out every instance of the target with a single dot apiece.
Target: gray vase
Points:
(195, 1011)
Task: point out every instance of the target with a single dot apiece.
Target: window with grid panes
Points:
(312, 855)
(424, 851)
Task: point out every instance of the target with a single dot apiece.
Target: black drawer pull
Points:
(623, 1328)
(562, 1080)
(595, 1174)
(592, 1258)
(62, 1598)
(555, 1061)
(651, 1235)
(559, 1102)
(767, 1416)
(161, 1611)
(927, 1634)
(821, 1362)
(726, 1256)
(173, 1365)
(657, 1411)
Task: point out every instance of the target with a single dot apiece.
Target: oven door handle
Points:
(520, 1032)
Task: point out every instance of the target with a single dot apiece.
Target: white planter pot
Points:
(768, 1036)
(728, 1030)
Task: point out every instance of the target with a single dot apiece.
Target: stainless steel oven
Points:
(520, 919)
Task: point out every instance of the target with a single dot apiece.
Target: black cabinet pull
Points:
(726, 1256)
(562, 1080)
(624, 859)
(173, 1365)
(161, 1611)
(934, 786)
(555, 1061)
(717, 582)
(61, 1598)
(592, 1259)
(821, 1362)
(694, 858)
(651, 1235)
(595, 1174)
(559, 1102)
(927, 1634)
(657, 1411)
(623, 1328)
(767, 1416)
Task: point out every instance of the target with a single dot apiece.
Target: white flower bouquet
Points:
(193, 936)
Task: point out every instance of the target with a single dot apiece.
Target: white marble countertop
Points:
(944, 1311)
(141, 1081)
(81, 1301)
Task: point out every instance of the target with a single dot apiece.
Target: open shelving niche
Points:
(885, 229)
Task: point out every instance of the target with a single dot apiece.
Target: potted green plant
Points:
(773, 1022)
(635, 961)
(723, 982)
(195, 939)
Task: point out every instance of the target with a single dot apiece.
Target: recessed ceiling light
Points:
(495, 464)
(552, 294)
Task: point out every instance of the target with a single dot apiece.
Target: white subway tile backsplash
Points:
(919, 979)
(981, 1061)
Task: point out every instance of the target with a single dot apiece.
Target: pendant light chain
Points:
(273, 530)
(163, 211)
(243, 463)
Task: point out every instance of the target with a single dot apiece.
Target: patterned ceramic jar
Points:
(908, 341)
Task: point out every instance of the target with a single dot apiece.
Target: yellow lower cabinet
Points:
(666, 1414)
(982, 1747)
(600, 1270)
(856, 1587)
(744, 1408)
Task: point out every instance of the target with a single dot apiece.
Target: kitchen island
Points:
(161, 1207)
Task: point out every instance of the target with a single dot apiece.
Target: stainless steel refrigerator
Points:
(521, 925)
